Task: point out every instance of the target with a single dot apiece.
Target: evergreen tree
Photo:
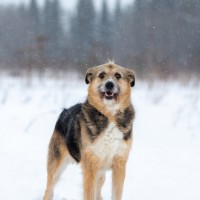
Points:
(138, 26)
(83, 32)
(117, 31)
(34, 31)
(56, 17)
(52, 29)
(34, 17)
(118, 11)
(106, 32)
(56, 26)
(47, 18)
(34, 10)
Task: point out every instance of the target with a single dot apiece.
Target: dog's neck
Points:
(108, 108)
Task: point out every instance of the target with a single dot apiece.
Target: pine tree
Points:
(34, 17)
(34, 31)
(83, 32)
(106, 32)
(56, 26)
(52, 29)
(118, 11)
(56, 23)
(47, 18)
(118, 31)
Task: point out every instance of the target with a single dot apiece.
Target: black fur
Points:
(68, 125)
(125, 120)
(96, 122)
(56, 150)
(128, 134)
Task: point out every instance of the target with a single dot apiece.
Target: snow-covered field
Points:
(164, 163)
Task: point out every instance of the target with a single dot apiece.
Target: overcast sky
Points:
(67, 4)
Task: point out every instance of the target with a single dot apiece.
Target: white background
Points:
(164, 161)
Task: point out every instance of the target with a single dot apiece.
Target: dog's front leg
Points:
(90, 167)
(118, 176)
(100, 182)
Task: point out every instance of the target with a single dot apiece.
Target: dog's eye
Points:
(118, 76)
(102, 75)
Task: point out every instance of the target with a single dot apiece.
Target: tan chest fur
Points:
(110, 143)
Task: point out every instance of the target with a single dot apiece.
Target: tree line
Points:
(160, 36)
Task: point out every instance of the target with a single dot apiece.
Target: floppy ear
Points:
(88, 76)
(131, 77)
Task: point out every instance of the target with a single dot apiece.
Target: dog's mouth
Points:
(109, 95)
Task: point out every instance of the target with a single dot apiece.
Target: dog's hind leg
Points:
(56, 161)
(53, 173)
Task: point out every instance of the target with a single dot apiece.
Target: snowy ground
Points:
(164, 162)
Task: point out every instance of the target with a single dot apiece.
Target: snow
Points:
(164, 161)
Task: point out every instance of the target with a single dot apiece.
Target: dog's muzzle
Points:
(109, 90)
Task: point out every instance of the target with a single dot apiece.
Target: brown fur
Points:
(94, 97)
(93, 165)
(55, 162)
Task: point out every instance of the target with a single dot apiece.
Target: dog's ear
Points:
(88, 76)
(131, 77)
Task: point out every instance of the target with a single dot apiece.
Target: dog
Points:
(97, 133)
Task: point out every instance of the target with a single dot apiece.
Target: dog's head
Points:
(110, 84)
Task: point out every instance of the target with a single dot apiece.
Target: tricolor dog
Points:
(97, 134)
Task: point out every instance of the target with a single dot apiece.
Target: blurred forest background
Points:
(154, 37)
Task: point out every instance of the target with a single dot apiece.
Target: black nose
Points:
(109, 85)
